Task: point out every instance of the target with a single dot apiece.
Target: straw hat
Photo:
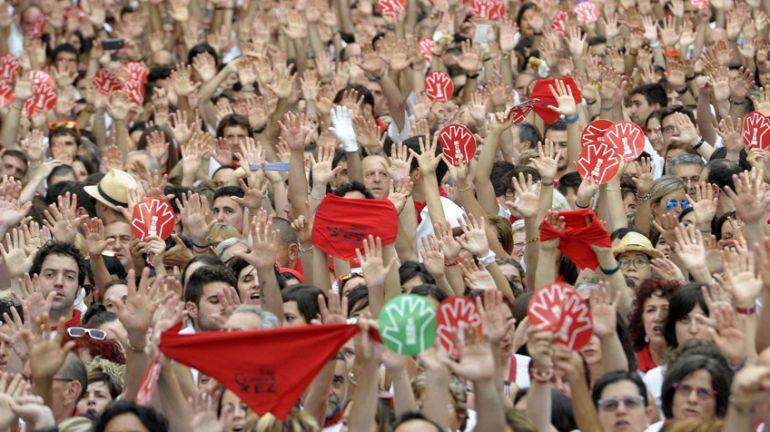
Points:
(635, 242)
(111, 190)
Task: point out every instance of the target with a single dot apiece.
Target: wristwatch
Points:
(488, 259)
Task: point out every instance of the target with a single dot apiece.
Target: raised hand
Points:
(432, 256)
(495, 322)
(119, 105)
(33, 410)
(263, 240)
(427, 159)
(372, 263)
(586, 192)
(749, 196)
(644, 177)
(727, 330)
(322, 168)
(547, 162)
(474, 238)
(46, 353)
(10, 210)
(739, 276)
(564, 98)
(137, 311)
(15, 254)
(335, 313)
(527, 196)
(705, 203)
(665, 269)
(558, 223)
(61, 218)
(604, 310)
(730, 131)
(470, 60)
(400, 161)
(476, 277)
(205, 65)
(11, 387)
(342, 128)
(476, 360)
(293, 131)
(195, 215)
(689, 246)
(450, 247)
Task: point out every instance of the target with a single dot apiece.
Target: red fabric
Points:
(73, 322)
(300, 277)
(419, 205)
(341, 224)
(583, 229)
(267, 369)
(545, 97)
(645, 359)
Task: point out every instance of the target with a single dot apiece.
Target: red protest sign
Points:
(627, 138)
(9, 67)
(489, 9)
(587, 12)
(6, 93)
(755, 130)
(149, 382)
(391, 8)
(559, 308)
(439, 86)
(152, 216)
(136, 72)
(455, 313)
(593, 133)
(105, 82)
(559, 22)
(426, 48)
(40, 77)
(135, 92)
(601, 162)
(576, 325)
(699, 4)
(43, 99)
(520, 112)
(457, 143)
(541, 92)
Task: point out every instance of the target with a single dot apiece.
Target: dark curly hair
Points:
(647, 289)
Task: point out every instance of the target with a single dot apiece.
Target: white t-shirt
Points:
(653, 379)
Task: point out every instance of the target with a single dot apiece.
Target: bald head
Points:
(376, 175)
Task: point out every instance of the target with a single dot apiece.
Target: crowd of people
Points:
(297, 145)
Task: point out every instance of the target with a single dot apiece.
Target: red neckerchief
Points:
(72, 322)
(337, 417)
(646, 363)
(419, 205)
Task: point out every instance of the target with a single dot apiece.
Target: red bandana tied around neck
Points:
(342, 224)
(267, 369)
(583, 229)
(543, 94)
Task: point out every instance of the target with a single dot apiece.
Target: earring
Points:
(646, 339)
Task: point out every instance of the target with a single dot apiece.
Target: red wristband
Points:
(452, 263)
(746, 311)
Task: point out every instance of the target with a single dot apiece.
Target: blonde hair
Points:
(696, 425)
(296, 421)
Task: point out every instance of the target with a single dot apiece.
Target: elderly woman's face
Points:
(694, 397)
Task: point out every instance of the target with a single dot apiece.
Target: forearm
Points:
(100, 128)
(437, 397)
(586, 416)
(482, 180)
(121, 137)
(321, 271)
(297, 182)
(208, 88)
(355, 172)
(271, 292)
(614, 202)
(101, 275)
(546, 268)
(455, 278)
(705, 118)
(643, 216)
(403, 400)
(406, 244)
(30, 189)
(539, 405)
(10, 130)
(433, 199)
(613, 356)
(545, 203)
(573, 144)
(318, 394)
(396, 101)
(344, 17)
(500, 281)
(365, 397)
(172, 399)
(616, 279)
(489, 407)
(762, 338)
(136, 364)
(392, 280)
(531, 250)
(280, 197)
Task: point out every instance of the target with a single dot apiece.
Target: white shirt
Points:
(653, 380)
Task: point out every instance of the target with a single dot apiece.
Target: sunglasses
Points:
(78, 332)
(611, 404)
(672, 204)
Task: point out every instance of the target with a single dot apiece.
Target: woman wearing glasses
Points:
(696, 386)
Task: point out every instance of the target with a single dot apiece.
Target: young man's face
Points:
(226, 210)
(96, 400)
(59, 274)
(234, 134)
(14, 167)
(64, 59)
(64, 148)
(208, 315)
(639, 109)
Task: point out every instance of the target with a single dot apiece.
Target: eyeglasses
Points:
(672, 204)
(638, 262)
(686, 390)
(78, 332)
(64, 124)
(611, 404)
